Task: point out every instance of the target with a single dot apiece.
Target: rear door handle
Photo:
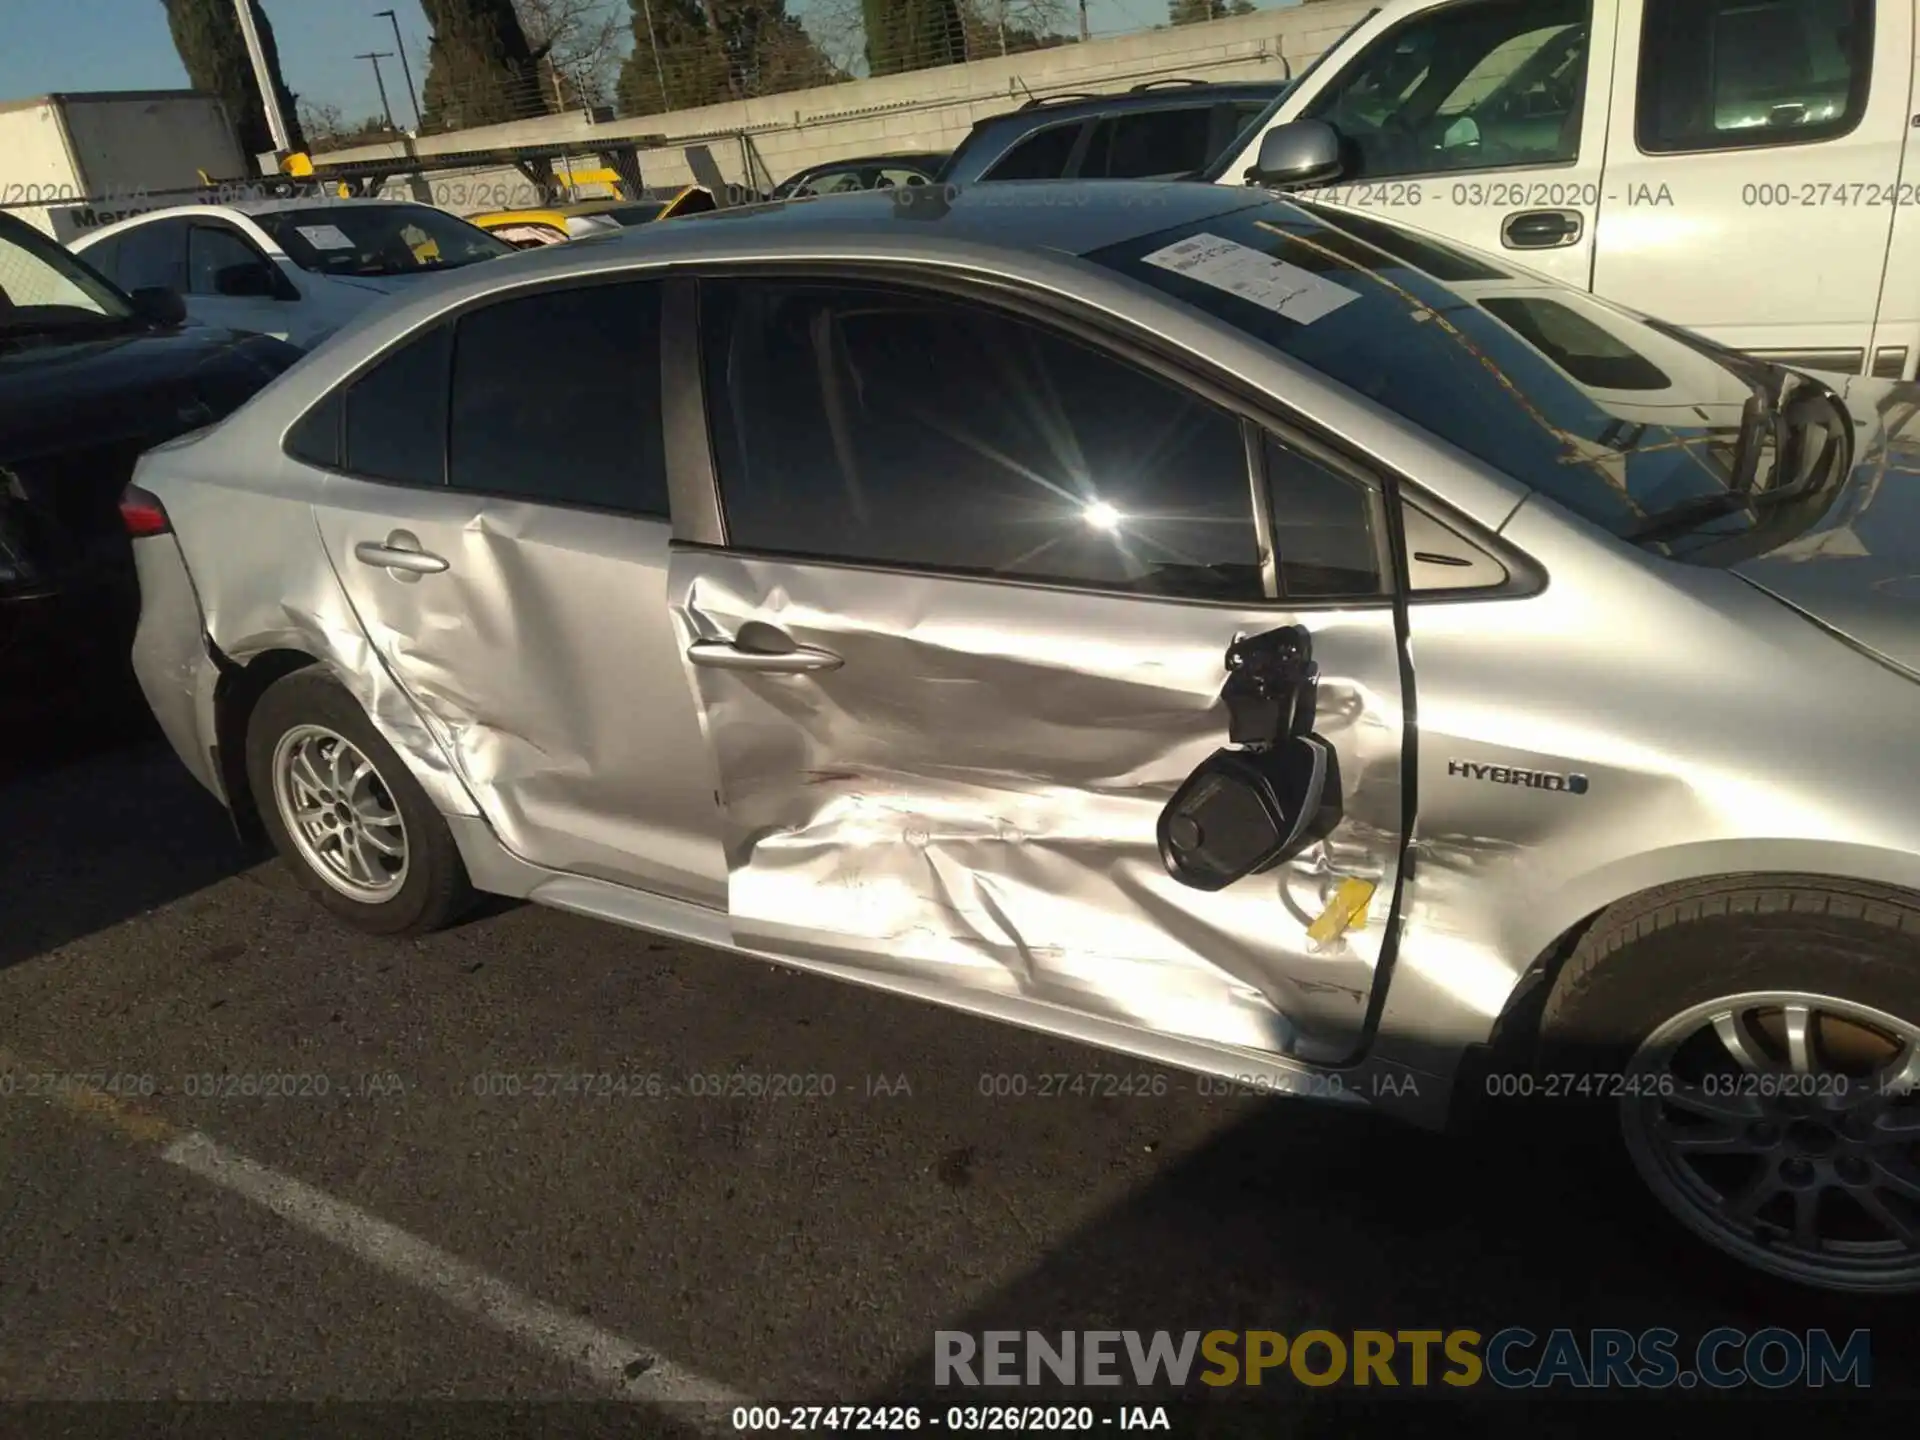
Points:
(400, 556)
(760, 656)
(1541, 229)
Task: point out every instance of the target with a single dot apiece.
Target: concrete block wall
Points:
(925, 110)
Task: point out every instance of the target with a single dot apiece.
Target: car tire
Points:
(346, 814)
(1754, 1043)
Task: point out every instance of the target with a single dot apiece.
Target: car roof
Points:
(247, 208)
(896, 157)
(1062, 216)
(1045, 109)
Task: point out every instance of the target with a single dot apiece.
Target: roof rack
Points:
(1177, 80)
(1041, 101)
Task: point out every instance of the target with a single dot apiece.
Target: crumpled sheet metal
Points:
(973, 795)
(544, 661)
(263, 587)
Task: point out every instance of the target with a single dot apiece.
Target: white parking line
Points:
(618, 1366)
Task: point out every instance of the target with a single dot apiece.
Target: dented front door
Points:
(959, 779)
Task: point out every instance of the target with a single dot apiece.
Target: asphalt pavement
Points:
(538, 1158)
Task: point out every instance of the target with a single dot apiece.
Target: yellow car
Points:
(525, 229)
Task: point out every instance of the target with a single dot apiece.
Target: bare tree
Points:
(581, 40)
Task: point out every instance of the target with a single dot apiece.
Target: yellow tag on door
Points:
(1347, 910)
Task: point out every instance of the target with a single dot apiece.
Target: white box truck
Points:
(69, 163)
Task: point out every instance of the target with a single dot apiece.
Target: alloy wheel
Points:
(1784, 1128)
(340, 814)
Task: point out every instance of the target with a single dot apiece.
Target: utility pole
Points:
(1084, 36)
(269, 92)
(406, 70)
(653, 44)
(376, 56)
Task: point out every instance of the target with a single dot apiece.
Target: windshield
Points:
(43, 287)
(1249, 131)
(1610, 416)
(360, 238)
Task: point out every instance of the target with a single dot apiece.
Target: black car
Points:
(866, 172)
(89, 379)
(1162, 130)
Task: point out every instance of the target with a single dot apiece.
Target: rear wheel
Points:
(347, 816)
(1766, 1044)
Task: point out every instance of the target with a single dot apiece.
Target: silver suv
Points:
(1247, 636)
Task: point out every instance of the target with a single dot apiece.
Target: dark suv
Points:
(1163, 130)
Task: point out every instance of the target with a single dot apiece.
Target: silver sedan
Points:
(1246, 636)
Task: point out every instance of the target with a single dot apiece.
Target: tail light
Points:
(143, 514)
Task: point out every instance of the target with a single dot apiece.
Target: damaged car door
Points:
(498, 517)
(1032, 666)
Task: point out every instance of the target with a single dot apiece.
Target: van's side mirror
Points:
(252, 280)
(158, 305)
(1298, 153)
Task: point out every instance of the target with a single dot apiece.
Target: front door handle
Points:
(1541, 229)
(763, 650)
(400, 556)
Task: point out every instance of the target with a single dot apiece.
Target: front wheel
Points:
(347, 816)
(1768, 1041)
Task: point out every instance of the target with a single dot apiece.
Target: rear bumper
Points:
(173, 661)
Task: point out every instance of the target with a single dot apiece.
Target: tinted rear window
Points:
(1614, 424)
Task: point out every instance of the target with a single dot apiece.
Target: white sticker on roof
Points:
(1300, 295)
(326, 237)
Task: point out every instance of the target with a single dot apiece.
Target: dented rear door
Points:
(511, 574)
(959, 776)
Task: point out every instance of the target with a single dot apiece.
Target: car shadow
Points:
(1302, 1217)
(99, 822)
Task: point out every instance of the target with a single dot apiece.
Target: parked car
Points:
(293, 269)
(88, 379)
(1165, 129)
(1023, 599)
(527, 229)
(1730, 166)
(868, 172)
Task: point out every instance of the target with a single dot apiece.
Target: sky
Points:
(54, 45)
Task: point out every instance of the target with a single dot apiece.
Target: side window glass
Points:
(104, 257)
(396, 421)
(556, 399)
(1152, 143)
(154, 256)
(315, 436)
(882, 426)
(1041, 156)
(220, 262)
(1326, 537)
(1733, 74)
(1474, 86)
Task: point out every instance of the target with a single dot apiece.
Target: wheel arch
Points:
(1516, 1033)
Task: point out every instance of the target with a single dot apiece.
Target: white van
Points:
(1738, 167)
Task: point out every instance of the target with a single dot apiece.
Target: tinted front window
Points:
(886, 427)
(396, 424)
(367, 238)
(1478, 85)
(1041, 156)
(1729, 74)
(556, 398)
(212, 250)
(154, 256)
(1376, 324)
(1149, 143)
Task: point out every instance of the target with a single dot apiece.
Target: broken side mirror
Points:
(1246, 810)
